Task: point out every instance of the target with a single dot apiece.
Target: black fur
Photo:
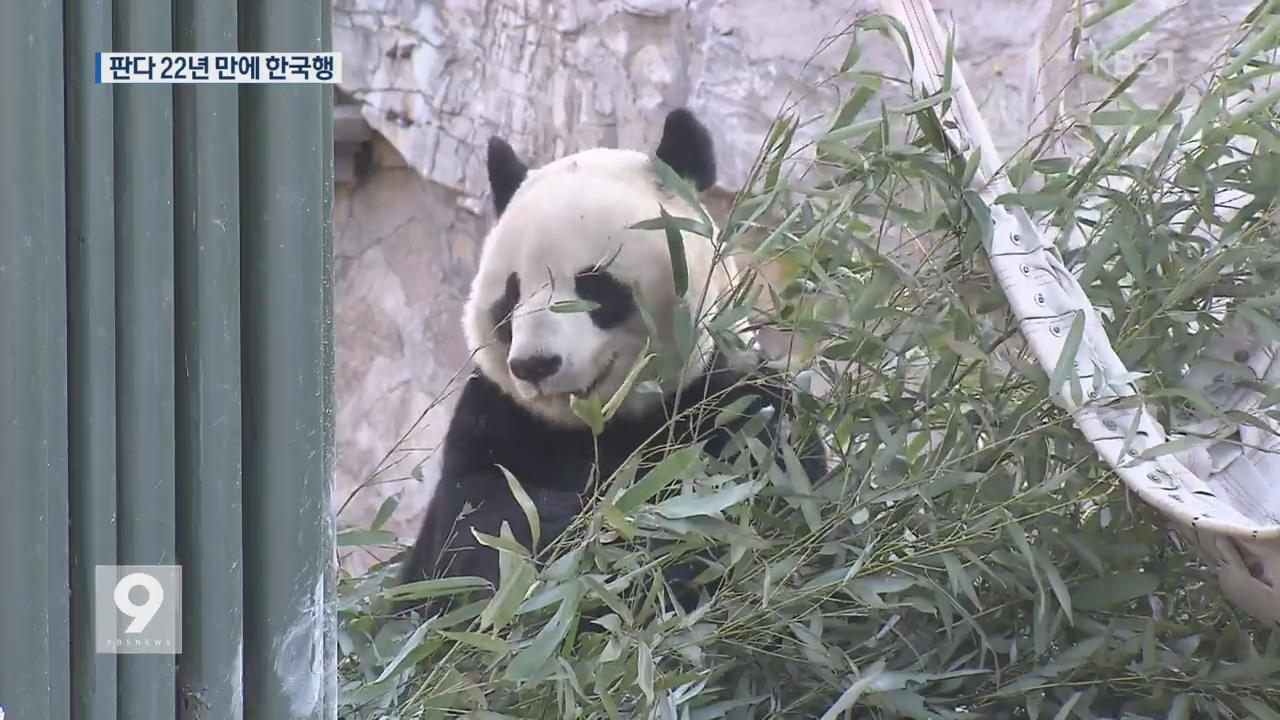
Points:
(502, 308)
(506, 172)
(686, 146)
(614, 300)
(554, 466)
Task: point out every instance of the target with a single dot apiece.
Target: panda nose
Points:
(535, 368)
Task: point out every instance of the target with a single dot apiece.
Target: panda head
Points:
(565, 235)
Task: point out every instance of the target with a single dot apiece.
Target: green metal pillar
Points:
(207, 227)
(145, 338)
(329, 398)
(166, 362)
(34, 634)
(91, 322)
(289, 584)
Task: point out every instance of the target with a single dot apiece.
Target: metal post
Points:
(145, 337)
(166, 362)
(207, 238)
(287, 473)
(92, 347)
(33, 366)
(327, 356)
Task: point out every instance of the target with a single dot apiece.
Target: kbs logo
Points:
(137, 609)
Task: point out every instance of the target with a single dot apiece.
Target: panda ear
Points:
(686, 146)
(506, 172)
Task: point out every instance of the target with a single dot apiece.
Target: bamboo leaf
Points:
(657, 479)
(1065, 367)
(533, 659)
(1113, 591)
(526, 505)
(850, 696)
(683, 506)
(675, 248)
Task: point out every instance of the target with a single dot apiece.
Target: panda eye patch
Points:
(501, 310)
(613, 299)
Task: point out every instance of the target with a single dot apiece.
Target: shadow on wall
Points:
(405, 252)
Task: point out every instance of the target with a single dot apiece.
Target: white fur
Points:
(570, 214)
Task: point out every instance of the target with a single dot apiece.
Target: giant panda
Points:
(565, 233)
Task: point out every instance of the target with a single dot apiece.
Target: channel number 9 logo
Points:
(141, 614)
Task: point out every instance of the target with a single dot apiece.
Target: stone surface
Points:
(437, 77)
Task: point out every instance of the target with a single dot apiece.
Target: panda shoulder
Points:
(482, 408)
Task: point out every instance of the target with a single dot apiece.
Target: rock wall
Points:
(437, 77)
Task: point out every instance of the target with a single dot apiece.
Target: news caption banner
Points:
(236, 68)
(137, 609)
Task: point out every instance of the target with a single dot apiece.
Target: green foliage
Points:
(969, 556)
